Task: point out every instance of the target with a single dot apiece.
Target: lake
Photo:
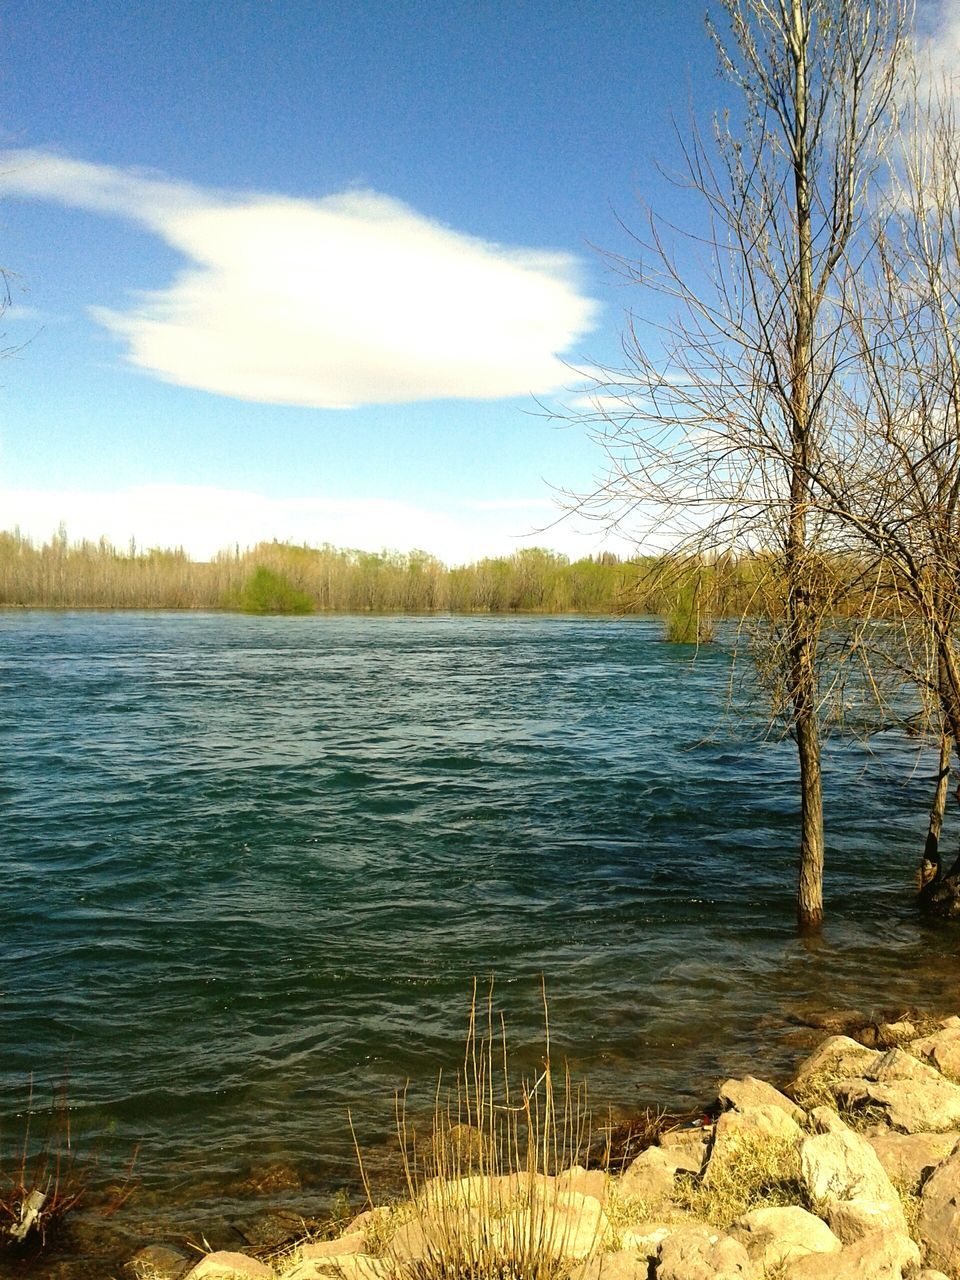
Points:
(252, 866)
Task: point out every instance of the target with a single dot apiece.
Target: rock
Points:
(565, 1226)
(585, 1182)
(752, 1125)
(851, 1220)
(158, 1262)
(826, 1120)
(693, 1134)
(647, 1237)
(776, 1236)
(914, 1096)
(838, 1057)
(942, 1049)
(688, 1158)
(695, 1253)
(224, 1265)
(621, 1264)
(882, 1256)
(907, 1157)
(927, 1274)
(353, 1242)
(843, 1166)
(750, 1092)
(348, 1266)
(649, 1178)
(940, 1213)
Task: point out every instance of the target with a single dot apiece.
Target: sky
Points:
(326, 270)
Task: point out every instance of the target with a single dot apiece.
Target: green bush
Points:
(268, 592)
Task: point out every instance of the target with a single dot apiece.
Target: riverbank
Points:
(851, 1172)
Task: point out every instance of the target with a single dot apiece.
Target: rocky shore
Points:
(852, 1172)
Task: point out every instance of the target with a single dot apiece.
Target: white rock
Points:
(843, 1166)
(940, 1213)
(224, 1265)
(882, 1256)
(907, 1157)
(942, 1049)
(838, 1056)
(751, 1092)
(649, 1178)
(695, 1253)
(775, 1236)
(851, 1220)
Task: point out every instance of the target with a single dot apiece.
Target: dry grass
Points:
(758, 1172)
(482, 1203)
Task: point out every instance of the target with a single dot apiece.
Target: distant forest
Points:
(276, 577)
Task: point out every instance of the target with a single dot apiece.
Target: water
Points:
(251, 866)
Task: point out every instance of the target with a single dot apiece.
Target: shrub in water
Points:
(269, 592)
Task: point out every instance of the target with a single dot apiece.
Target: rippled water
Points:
(251, 866)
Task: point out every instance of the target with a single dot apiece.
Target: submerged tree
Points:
(715, 426)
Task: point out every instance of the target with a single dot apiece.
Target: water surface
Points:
(251, 866)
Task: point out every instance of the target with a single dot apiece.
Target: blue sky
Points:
(300, 269)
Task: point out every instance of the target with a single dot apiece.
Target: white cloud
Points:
(334, 302)
(207, 519)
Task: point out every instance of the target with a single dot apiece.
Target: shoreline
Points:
(635, 1160)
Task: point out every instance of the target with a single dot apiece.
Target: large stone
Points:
(347, 1266)
(775, 1236)
(851, 1220)
(621, 1264)
(942, 1049)
(908, 1157)
(940, 1213)
(882, 1256)
(914, 1097)
(750, 1092)
(843, 1166)
(838, 1057)
(565, 1226)
(646, 1237)
(696, 1253)
(585, 1182)
(826, 1120)
(688, 1158)
(649, 1178)
(224, 1265)
(352, 1242)
(692, 1135)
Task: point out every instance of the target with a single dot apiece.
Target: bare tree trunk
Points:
(930, 862)
(801, 616)
(940, 896)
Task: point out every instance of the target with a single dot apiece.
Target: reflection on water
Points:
(252, 866)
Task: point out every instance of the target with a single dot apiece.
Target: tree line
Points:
(280, 577)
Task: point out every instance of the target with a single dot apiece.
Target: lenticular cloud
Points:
(335, 302)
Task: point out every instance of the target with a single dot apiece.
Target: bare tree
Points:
(892, 477)
(714, 426)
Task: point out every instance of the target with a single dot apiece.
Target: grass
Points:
(758, 1172)
(481, 1200)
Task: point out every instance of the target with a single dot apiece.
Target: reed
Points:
(484, 1199)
